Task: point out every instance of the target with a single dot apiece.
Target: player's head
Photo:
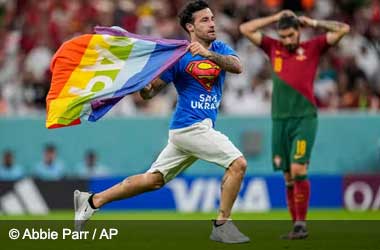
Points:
(288, 29)
(8, 158)
(90, 158)
(49, 153)
(198, 20)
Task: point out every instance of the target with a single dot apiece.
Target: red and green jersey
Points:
(293, 76)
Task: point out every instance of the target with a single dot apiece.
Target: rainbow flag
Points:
(92, 72)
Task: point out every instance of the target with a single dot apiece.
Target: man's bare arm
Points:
(251, 29)
(231, 64)
(228, 63)
(150, 90)
(335, 30)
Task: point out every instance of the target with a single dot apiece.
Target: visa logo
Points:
(203, 194)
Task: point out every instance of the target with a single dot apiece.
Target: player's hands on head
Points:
(307, 21)
(284, 13)
(196, 48)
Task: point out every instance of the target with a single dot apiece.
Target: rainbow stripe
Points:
(91, 73)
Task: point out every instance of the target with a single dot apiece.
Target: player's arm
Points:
(228, 63)
(231, 64)
(150, 90)
(335, 30)
(251, 29)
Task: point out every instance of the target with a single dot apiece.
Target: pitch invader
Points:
(294, 110)
(198, 78)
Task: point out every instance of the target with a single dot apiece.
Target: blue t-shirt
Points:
(11, 174)
(199, 83)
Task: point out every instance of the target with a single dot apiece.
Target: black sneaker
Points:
(298, 233)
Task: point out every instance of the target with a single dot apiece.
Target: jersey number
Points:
(300, 149)
(277, 64)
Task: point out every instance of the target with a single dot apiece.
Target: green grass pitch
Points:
(169, 230)
(314, 214)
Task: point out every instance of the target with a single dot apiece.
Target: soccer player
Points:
(294, 111)
(198, 78)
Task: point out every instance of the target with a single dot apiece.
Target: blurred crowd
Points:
(51, 166)
(32, 30)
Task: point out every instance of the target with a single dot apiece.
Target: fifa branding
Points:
(362, 194)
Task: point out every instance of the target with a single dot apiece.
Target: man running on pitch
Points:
(198, 77)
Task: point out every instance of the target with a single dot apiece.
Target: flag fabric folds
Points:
(92, 72)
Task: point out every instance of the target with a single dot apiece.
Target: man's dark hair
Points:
(287, 22)
(186, 14)
(90, 153)
(50, 147)
(7, 152)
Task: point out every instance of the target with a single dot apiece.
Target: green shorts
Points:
(292, 141)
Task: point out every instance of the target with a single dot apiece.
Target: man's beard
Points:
(291, 47)
(208, 39)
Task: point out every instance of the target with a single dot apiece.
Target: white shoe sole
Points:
(76, 200)
(218, 239)
(79, 199)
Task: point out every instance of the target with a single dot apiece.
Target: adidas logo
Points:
(25, 198)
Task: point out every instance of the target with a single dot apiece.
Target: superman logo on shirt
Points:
(205, 72)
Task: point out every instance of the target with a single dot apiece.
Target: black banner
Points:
(30, 196)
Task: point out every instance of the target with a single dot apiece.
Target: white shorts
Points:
(186, 145)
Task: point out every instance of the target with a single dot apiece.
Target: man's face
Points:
(8, 160)
(50, 156)
(290, 38)
(90, 160)
(204, 25)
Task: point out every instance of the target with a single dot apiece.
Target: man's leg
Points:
(301, 192)
(298, 201)
(86, 205)
(169, 163)
(230, 187)
(289, 186)
(129, 187)
(203, 142)
(301, 196)
(304, 132)
(223, 229)
(281, 146)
